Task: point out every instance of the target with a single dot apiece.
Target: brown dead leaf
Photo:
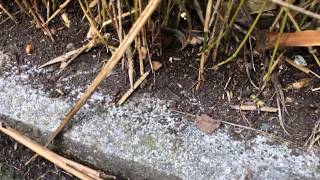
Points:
(207, 124)
(299, 84)
(29, 48)
(156, 65)
(143, 52)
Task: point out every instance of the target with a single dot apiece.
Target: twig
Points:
(243, 107)
(316, 89)
(107, 68)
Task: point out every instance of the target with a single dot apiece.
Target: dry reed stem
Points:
(22, 8)
(295, 39)
(45, 152)
(91, 22)
(243, 107)
(107, 68)
(62, 6)
(205, 44)
(310, 49)
(131, 90)
(126, 14)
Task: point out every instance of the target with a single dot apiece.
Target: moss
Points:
(148, 141)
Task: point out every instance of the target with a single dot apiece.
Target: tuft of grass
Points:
(230, 28)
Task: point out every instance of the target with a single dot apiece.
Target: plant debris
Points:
(207, 124)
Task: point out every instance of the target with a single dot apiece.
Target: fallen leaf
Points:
(299, 84)
(143, 52)
(29, 48)
(156, 65)
(207, 124)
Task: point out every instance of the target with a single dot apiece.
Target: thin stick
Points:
(42, 151)
(107, 68)
(255, 108)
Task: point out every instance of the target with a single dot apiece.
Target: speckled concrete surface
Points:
(145, 137)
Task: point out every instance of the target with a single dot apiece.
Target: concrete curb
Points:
(143, 139)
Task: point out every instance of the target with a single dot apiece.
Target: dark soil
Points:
(174, 82)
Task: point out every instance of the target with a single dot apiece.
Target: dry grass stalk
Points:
(68, 57)
(61, 7)
(243, 107)
(301, 68)
(22, 7)
(92, 22)
(314, 138)
(156, 65)
(296, 8)
(78, 170)
(126, 14)
(8, 13)
(316, 89)
(107, 68)
(134, 87)
(39, 20)
(205, 44)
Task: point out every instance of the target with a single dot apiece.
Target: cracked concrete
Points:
(144, 139)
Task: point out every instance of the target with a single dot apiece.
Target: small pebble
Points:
(70, 46)
(265, 127)
(300, 60)
(289, 99)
